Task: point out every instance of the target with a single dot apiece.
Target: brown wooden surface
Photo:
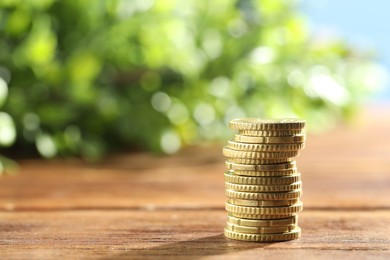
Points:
(140, 206)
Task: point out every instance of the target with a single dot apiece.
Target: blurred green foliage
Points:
(90, 76)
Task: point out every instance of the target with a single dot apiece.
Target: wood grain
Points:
(183, 233)
(141, 206)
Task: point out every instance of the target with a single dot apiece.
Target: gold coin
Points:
(260, 230)
(281, 210)
(258, 161)
(263, 188)
(272, 133)
(290, 165)
(263, 203)
(270, 140)
(258, 155)
(266, 124)
(294, 234)
(264, 196)
(230, 177)
(264, 173)
(264, 147)
(293, 220)
(260, 216)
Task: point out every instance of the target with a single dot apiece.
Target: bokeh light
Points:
(87, 78)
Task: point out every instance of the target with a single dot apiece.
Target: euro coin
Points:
(260, 216)
(295, 194)
(256, 124)
(289, 165)
(257, 161)
(230, 177)
(258, 155)
(263, 173)
(293, 220)
(260, 230)
(264, 147)
(272, 133)
(290, 235)
(263, 188)
(262, 203)
(270, 140)
(281, 210)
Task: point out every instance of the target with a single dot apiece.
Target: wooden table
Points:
(140, 206)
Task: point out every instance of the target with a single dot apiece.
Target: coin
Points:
(258, 161)
(263, 203)
(258, 155)
(260, 216)
(289, 165)
(294, 234)
(264, 196)
(270, 140)
(230, 177)
(266, 124)
(263, 173)
(272, 133)
(263, 188)
(281, 210)
(264, 147)
(260, 230)
(293, 220)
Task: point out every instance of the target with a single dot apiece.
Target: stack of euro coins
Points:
(262, 182)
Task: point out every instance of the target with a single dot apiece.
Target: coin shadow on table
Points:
(194, 249)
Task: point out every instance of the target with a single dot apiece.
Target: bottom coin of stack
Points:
(263, 185)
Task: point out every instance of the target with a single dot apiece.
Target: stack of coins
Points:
(262, 182)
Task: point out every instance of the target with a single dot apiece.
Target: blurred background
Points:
(359, 23)
(87, 78)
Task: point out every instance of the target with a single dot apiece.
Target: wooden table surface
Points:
(140, 206)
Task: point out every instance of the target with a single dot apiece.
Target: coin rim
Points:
(260, 147)
(262, 167)
(296, 139)
(261, 174)
(245, 180)
(262, 222)
(260, 216)
(260, 230)
(262, 203)
(258, 155)
(263, 188)
(280, 210)
(264, 195)
(295, 234)
(257, 161)
(266, 124)
(271, 133)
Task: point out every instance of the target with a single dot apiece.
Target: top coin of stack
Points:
(262, 183)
